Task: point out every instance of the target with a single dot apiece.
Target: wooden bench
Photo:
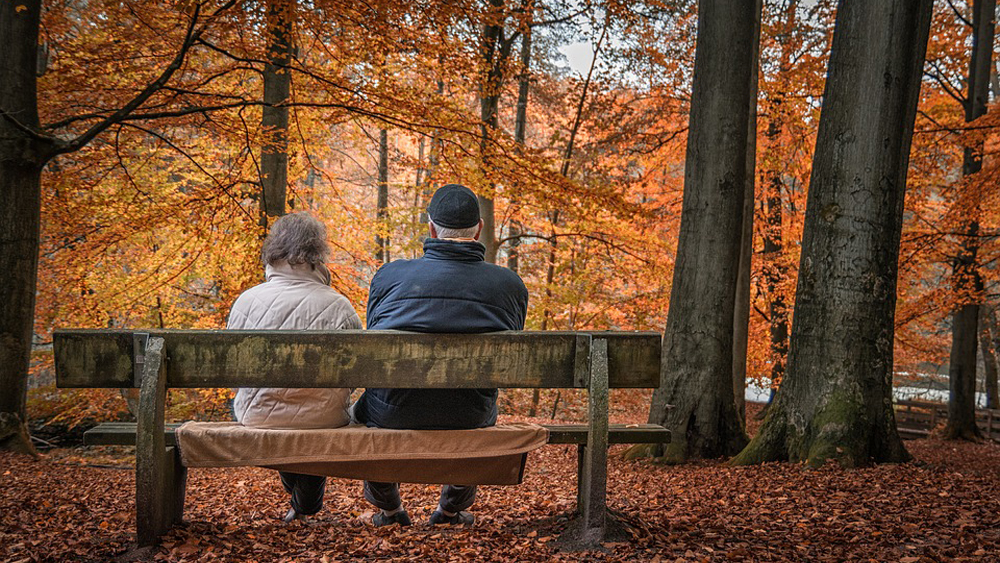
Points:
(917, 419)
(156, 360)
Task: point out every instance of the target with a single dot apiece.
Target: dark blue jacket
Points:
(450, 289)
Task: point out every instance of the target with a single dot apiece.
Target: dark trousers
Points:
(306, 490)
(454, 498)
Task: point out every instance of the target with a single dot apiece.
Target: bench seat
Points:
(123, 434)
(489, 456)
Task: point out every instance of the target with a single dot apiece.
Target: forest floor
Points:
(76, 504)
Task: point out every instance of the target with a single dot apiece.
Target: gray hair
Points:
(445, 232)
(298, 238)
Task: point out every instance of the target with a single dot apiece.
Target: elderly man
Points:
(450, 289)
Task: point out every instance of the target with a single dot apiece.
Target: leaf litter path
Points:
(944, 506)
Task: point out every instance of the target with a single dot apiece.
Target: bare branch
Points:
(948, 88)
(193, 161)
(958, 14)
(587, 236)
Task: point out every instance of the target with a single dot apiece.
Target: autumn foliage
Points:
(156, 222)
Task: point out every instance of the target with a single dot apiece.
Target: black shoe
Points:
(379, 519)
(461, 518)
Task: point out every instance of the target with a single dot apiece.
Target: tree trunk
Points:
(966, 280)
(836, 398)
(418, 192)
(495, 50)
(21, 162)
(23, 154)
(991, 323)
(774, 270)
(564, 171)
(382, 207)
(520, 128)
(967, 283)
(274, 118)
(697, 376)
(774, 275)
(989, 357)
(433, 160)
(741, 313)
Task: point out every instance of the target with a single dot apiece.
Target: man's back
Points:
(449, 289)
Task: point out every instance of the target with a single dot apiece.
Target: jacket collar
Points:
(440, 249)
(282, 270)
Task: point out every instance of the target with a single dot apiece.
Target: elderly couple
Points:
(450, 289)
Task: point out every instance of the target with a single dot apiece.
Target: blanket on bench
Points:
(484, 456)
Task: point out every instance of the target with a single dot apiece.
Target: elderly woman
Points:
(295, 296)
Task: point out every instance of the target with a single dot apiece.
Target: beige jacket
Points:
(295, 297)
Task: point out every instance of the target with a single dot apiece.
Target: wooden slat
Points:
(198, 358)
(123, 434)
(911, 433)
(617, 434)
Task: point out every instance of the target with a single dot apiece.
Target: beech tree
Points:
(741, 311)
(697, 376)
(986, 339)
(277, 80)
(774, 270)
(835, 401)
(967, 282)
(21, 159)
(382, 205)
(495, 46)
(520, 126)
(25, 149)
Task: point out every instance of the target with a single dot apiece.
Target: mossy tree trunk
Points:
(835, 402)
(697, 372)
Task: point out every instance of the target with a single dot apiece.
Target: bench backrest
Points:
(254, 358)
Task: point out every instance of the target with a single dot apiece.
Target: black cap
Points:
(454, 206)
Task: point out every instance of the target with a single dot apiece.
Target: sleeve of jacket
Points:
(237, 313)
(375, 294)
(351, 321)
(522, 301)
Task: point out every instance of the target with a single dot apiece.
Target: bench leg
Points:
(593, 457)
(592, 492)
(156, 475)
(176, 485)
